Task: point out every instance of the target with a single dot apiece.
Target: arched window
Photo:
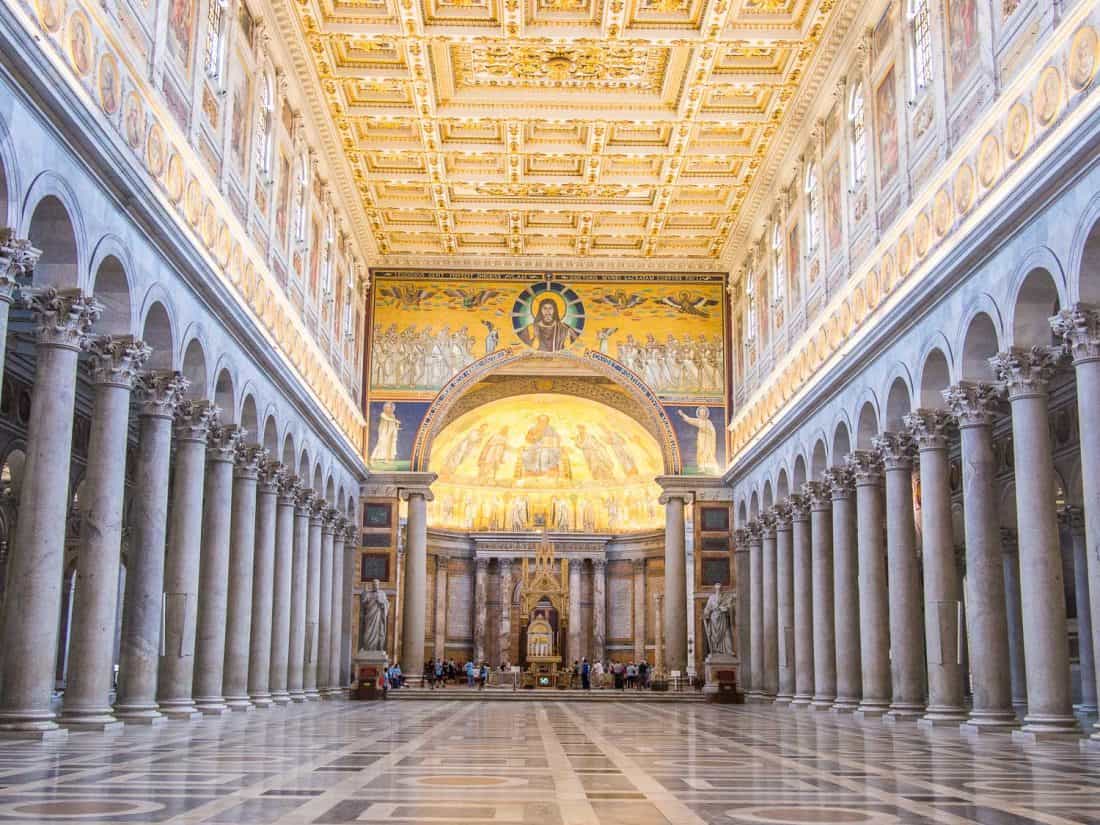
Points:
(779, 270)
(265, 108)
(857, 117)
(301, 199)
(813, 210)
(920, 44)
(214, 53)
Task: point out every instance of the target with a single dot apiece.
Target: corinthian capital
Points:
(782, 513)
(158, 393)
(896, 449)
(973, 404)
(755, 530)
(930, 428)
(288, 488)
(115, 361)
(222, 442)
(767, 525)
(270, 474)
(1079, 327)
(351, 536)
(303, 498)
(194, 420)
(800, 507)
(248, 459)
(817, 494)
(317, 507)
(840, 482)
(866, 467)
(1026, 372)
(17, 260)
(63, 317)
(329, 518)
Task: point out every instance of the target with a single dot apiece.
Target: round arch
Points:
(646, 401)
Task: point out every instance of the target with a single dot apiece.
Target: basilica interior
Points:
(558, 411)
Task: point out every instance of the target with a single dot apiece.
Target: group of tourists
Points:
(440, 672)
(617, 675)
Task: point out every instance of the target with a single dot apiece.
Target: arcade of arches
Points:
(757, 341)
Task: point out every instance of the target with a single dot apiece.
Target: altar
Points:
(545, 599)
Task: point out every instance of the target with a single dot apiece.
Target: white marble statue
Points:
(374, 610)
(385, 447)
(718, 622)
(706, 440)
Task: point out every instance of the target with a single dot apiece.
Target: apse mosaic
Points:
(559, 461)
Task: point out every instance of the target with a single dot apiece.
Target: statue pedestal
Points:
(720, 671)
(369, 668)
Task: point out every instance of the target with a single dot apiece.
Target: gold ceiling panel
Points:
(586, 129)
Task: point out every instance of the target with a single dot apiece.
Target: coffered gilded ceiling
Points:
(572, 131)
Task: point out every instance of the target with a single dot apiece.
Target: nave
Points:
(545, 762)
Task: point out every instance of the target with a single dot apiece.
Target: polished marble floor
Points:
(475, 763)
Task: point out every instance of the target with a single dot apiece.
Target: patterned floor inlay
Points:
(544, 763)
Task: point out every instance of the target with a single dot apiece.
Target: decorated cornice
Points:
(160, 149)
(1017, 131)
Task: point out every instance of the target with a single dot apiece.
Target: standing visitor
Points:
(586, 672)
(469, 674)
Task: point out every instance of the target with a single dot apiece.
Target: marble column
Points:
(846, 620)
(823, 631)
(639, 611)
(399, 598)
(439, 625)
(242, 550)
(221, 452)
(17, 260)
(175, 674)
(784, 600)
(286, 529)
(313, 598)
(324, 620)
(874, 630)
(904, 597)
(1074, 521)
(157, 395)
(351, 571)
(1079, 327)
(114, 363)
(599, 610)
(1026, 374)
(803, 602)
(576, 649)
(504, 644)
(973, 406)
(299, 573)
(416, 580)
(743, 609)
(756, 611)
(263, 585)
(771, 606)
(481, 607)
(1014, 618)
(36, 569)
(336, 609)
(942, 582)
(675, 601)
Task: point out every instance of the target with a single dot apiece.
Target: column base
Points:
(783, 699)
(871, 710)
(822, 703)
(762, 699)
(102, 720)
(183, 710)
(1088, 709)
(943, 717)
(239, 705)
(297, 696)
(149, 720)
(262, 701)
(902, 713)
(845, 706)
(986, 724)
(313, 696)
(280, 698)
(211, 706)
(801, 700)
(1038, 729)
